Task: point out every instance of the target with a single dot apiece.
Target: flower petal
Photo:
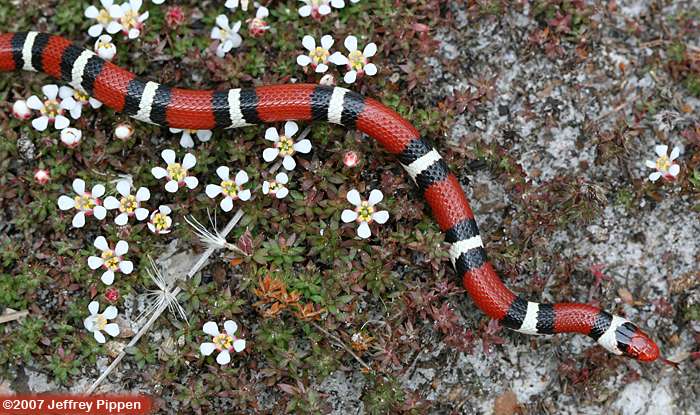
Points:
(371, 69)
(308, 42)
(282, 193)
(97, 190)
(101, 243)
(41, 123)
(348, 216)
(191, 182)
(50, 91)
(239, 345)
(655, 176)
(65, 202)
(270, 154)
(204, 135)
(126, 267)
(121, 219)
(363, 230)
(91, 12)
(650, 164)
(143, 194)
(186, 140)
(370, 50)
(171, 186)
(321, 68)
(141, 213)
(122, 248)
(99, 212)
(674, 170)
(327, 42)
(353, 197)
(223, 358)
(375, 196)
(244, 195)
(35, 103)
(271, 134)
(112, 329)
(350, 77)
(211, 328)
(107, 277)
(99, 337)
(124, 188)
(223, 172)
(207, 348)
(226, 204)
(305, 11)
(675, 153)
(661, 150)
(241, 177)
(110, 312)
(168, 155)
(78, 220)
(189, 161)
(350, 43)
(282, 178)
(213, 190)
(303, 146)
(61, 122)
(380, 217)
(95, 262)
(338, 59)
(159, 172)
(290, 128)
(289, 163)
(230, 326)
(303, 60)
(94, 307)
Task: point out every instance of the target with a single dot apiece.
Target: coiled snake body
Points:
(188, 109)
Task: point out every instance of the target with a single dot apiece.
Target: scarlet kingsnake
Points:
(187, 109)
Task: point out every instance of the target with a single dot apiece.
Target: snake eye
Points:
(635, 343)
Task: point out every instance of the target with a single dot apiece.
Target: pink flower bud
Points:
(42, 176)
(20, 110)
(174, 17)
(350, 159)
(112, 295)
(71, 137)
(124, 131)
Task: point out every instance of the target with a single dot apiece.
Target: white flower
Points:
(20, 110)
(123, 131)
(327, 79)
(227, 35)
(319, 56)
(258, 26)
(107, 18)
(357, 61)
(225, 343)
(131, 21)
(163, 1)
(51, 109)
(75, 100)
(231, 189)
(86, 203)
(110, 259)
(104, 47)
(284, 146)
(276, 187)
(364, 212)
(71, 137)
(664, 165)
(319, 8)
(186, 139)
(97, 322)
(233, 4)
(176, 173)
(160, 221)
(129, 205)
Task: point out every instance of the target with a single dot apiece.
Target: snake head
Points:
(634, 343)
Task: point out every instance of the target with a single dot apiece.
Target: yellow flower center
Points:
(230, 188)
(101, 44)
(319, 55)
(663, 164)
(223, 33)
(357, 60)
(223, 341)
(364, 212)
(81, 97)
(130, 20)
(51, 108)
(160, 221)
(177, 172)
(104, 18)
(285, 145)
(111, 260)
(128, 204)
(274, 186)
(84, 202)
(99, 322)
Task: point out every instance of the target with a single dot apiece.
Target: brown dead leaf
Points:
(506, 404)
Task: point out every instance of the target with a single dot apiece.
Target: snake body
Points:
(159, 104)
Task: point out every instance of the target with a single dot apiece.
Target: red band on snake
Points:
(186, 109)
